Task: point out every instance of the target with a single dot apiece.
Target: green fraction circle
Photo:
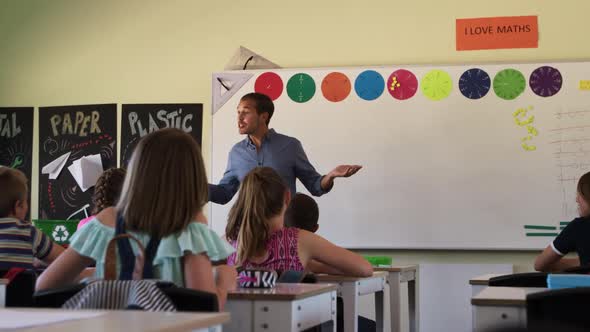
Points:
(300, 88)
(436, 85)
(509, 84)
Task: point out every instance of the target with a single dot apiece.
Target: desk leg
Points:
(395, 305)
(2, 296)
(413, 304)
(350, 295)
(379, 309)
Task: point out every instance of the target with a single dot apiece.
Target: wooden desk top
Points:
(129, 320)
(484, 279)
(399, 268)
(281, 292)
(339, 278)
(504, 296)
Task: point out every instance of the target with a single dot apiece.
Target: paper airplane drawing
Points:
(54, 168)
(86, 171)
(244, 58)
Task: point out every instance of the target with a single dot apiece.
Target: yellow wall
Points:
(63, 52)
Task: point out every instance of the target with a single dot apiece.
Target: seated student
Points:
(303, 213)
(574, 237)
(162, 199)
(20, 241)
(106, 192)
(256, 229)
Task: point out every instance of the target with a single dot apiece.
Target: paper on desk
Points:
(86, 170)
(14, 319)
(55, 167)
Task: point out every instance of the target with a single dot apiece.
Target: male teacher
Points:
(265, 147)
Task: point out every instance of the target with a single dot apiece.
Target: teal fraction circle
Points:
(369, 85)
(301, 88)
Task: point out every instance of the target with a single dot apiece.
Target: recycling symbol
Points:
(60, 233)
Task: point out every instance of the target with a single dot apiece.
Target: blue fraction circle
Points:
(369, 85)
(475, 83)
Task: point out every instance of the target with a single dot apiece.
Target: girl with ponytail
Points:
(106, 192)
(255, 228)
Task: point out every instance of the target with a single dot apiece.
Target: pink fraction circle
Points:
(402, 84)
(269, 84)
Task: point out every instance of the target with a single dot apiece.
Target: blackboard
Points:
(16, 140)
(139, 120)
(81, 130)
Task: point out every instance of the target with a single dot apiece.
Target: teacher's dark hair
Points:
(263, 104)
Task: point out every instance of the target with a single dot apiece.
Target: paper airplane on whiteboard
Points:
(54, 168)
(224, 86)
(244, 59)
(86, 171)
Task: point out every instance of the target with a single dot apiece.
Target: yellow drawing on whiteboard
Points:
(585, 85)
(529, 147)
(519, 118)
(532, 130)
(521, 113)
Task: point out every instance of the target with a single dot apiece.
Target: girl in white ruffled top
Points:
(163, 195)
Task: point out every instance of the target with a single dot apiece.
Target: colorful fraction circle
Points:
(369, 85)
(402, 84)
(509, 84)
(545, 81)
(269, 84)
(336, 87)
(437, 85)
(300, 88)
(475, 83)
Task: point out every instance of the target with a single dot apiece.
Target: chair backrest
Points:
(532, 279)
(19, 292)
(184, 299)
(563, 306)
(55, 297)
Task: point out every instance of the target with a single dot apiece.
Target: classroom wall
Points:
(63, 52)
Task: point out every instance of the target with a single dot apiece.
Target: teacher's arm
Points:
(228, 186)
(315, 183)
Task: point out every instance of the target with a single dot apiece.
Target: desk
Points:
(350, 288)
(500, 306)
(3, 284)
(130, 321)
(481, 282)
(398, 276)
(286, 307)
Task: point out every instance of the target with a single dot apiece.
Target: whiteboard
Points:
(450, 173)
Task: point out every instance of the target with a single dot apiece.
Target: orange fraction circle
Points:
(336, 87)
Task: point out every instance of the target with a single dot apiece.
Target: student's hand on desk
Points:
(344, 171)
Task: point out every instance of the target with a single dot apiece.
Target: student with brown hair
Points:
(20, 241)
(106, 192)
(162, 199)
(256, 229)
(574, 237)
(303, 213)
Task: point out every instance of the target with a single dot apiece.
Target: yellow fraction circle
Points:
(436, 85)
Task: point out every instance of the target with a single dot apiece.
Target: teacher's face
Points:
(248, 118)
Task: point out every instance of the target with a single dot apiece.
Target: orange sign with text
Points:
(497, 32)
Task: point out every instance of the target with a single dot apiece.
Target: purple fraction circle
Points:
(545, 81)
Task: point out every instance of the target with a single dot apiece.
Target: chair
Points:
(559, 306)
(532, 279)
(185, 299)
(19, 292)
